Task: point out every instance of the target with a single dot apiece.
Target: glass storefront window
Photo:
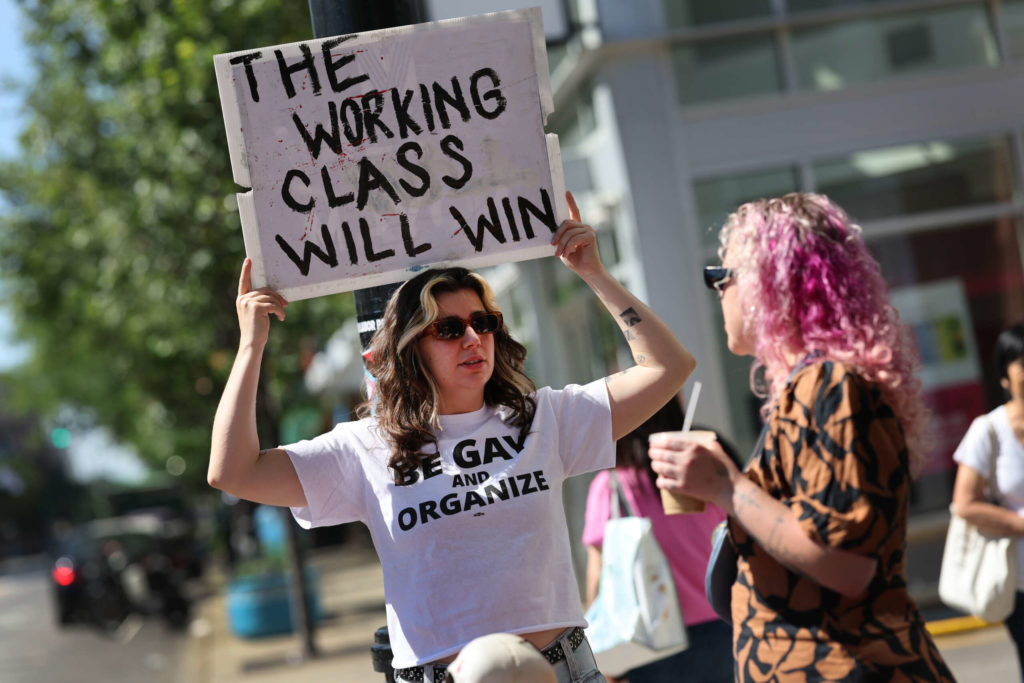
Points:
(956, 289)
(919, 177)
(718, 197)
(724, 68)
(835, 56)
(1013, 27)
(686, 13)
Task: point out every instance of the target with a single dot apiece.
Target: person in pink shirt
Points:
(686, 542)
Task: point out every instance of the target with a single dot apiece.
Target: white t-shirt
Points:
(975, 451)
(478, 543)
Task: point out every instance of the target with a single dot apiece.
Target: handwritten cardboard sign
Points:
(373, 155)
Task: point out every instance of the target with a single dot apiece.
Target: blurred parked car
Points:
(178, 533)
(109, 568)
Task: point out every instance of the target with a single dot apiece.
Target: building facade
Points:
(670, 113)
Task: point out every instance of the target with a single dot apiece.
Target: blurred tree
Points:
(120, 246)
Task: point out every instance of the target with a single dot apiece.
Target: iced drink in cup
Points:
(680, 503)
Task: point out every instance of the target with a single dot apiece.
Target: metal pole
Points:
(338, 17)
(331, 18)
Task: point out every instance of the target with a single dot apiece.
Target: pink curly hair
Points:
(809, 285)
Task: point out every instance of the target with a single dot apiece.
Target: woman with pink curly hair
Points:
(819, 515)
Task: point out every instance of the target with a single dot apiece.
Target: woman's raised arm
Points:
(237, 466)
(662, 362)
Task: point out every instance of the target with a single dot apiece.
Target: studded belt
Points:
(553, 653)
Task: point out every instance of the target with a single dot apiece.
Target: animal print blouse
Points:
(834, 453)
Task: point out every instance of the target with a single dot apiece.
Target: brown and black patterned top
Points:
(834, 453)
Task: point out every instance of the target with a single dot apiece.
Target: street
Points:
(34, 650)
(984, 655)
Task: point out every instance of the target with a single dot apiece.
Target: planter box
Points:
(258, 605)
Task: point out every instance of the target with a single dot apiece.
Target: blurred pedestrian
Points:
(686, 542)
(458, 472)
(819, 516)
(995, 443)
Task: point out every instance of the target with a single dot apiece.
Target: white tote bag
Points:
(979, 572)
(635, 619)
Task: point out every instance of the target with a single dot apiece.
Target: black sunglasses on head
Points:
(717, 277)
(453, 328)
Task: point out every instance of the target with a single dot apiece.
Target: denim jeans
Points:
(707, 659)
(579, 666)
(1015, 625)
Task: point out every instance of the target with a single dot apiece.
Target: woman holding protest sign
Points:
(458, 472)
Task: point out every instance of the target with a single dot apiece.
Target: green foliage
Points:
(120, 246)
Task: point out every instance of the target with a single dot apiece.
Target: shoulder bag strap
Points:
(993, 486)
(618, 497)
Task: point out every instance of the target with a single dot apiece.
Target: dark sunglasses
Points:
(718, 277)
(449, 329)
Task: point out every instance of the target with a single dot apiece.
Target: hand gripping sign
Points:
(373, 155)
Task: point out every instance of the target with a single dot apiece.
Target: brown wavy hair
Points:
(406, 399)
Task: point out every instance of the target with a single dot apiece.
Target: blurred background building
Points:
(670, 113)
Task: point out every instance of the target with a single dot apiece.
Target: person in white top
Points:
(458, 471)
(999, 435)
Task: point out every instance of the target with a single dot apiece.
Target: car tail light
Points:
(63, 572)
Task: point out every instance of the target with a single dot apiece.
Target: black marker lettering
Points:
(333, 200)
(352, 121)
(411, 248)
(493, 94)
(371, 117)
(454, 98)
(493, 226)
(313, 143)
(511, 218)
(547, 216)
(289, 198)
(371, 256)
(448, 142)
(246, 61)
(428, 111)
(401, 106)
(414, 168)
(334, 65)
(370, 178)
(309, 249)
(350, 243)
(305, 64)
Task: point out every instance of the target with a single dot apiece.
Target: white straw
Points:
(691, 406)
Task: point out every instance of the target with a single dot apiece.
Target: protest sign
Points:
(373, 155)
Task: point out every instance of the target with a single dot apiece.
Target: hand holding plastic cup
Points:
(680, 503)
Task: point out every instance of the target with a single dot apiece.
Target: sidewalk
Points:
(352, 596)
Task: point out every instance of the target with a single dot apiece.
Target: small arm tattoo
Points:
(630, 317)
(629, 335)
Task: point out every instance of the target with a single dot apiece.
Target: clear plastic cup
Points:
(679, 504)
